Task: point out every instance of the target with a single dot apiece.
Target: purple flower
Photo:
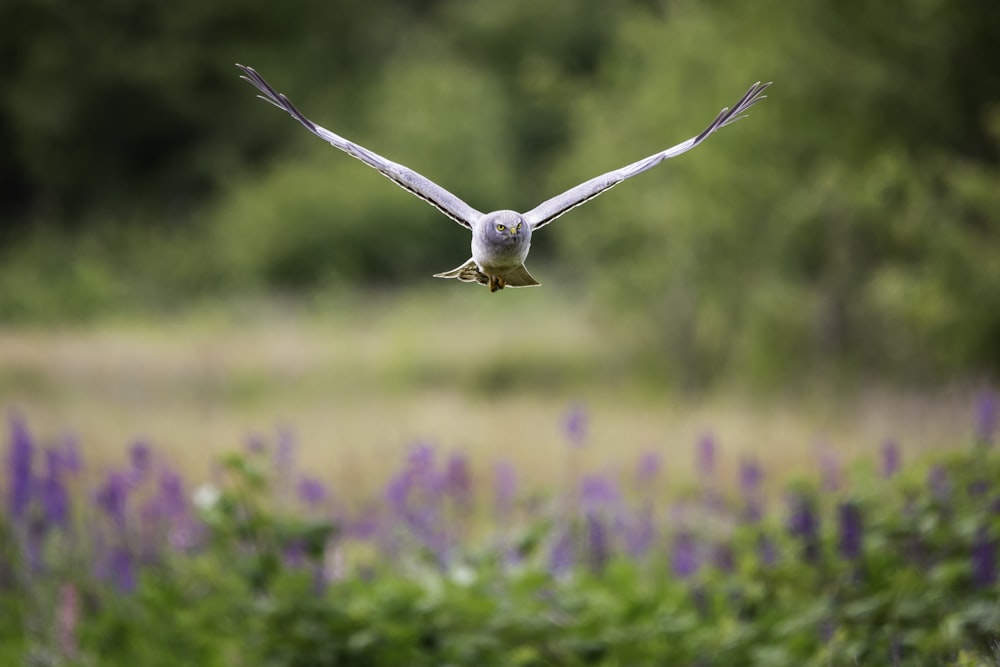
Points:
(723, 557)
(141, 458)
(71, 460)
(598, 547)
(984, 560)
(706, 457)
(575, 425)
(55, 499)
(112, 497)
(458, 481)
(172, 497)
(803, 523)
(597, 491)
(21, 451)
(684, 560)
(829, 467)
(505, 490)
(767, 553)
(255, 445)
(122, 570)
(311, 491)
(851, 530)
(285, 454)
(415, 496)
(751, 477)
(640, 533)
(647, 469)
(891, 459)
(939, 483)
(986, 417)
(562, 554)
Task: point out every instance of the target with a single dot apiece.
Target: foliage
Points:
(848, 226)
(268, 566)
(842, 222)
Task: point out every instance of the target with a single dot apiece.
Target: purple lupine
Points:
(415, 496)
(891, 459)
(984, 560)
(53, 493)
(851, 530)
(121, 570)
(939, 483)
(767, 552)
(575, 425)
(647, 469)
(112, 498)
(70, 454)
(598, 544)
(684, 561)
(20, 455)
(255, 445)
(803, 523)
(829, 468)
(723, 557)
(562, 554)
(311, 491)
(171, 493)
(751, 477)
(706, 457)
(640, 532)
(987, 409)
(458, 481)
(598, 491)
(285, 454)
(140, 459)
(504, 490)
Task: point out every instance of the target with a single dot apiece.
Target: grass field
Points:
(358, 381)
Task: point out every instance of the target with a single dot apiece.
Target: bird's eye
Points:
(500, 228)
(518, 228)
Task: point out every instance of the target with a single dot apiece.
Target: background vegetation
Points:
(180, 266)
(266, 565)
(849, 225)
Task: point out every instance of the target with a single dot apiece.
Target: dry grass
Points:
(360, 383)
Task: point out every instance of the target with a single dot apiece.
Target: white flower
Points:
(205, 497)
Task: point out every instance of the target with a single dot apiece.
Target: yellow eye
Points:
(518, 228)
(500, 228)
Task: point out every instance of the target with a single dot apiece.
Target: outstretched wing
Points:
(549, 210)
(406, 178)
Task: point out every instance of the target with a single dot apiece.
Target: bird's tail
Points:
(469, 273)
(520, 277)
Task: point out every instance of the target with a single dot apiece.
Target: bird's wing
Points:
(406, 178)
(549, 210)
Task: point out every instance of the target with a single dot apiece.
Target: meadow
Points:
(357, 380)
(279, 485)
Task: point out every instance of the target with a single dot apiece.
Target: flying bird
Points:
(500, 239)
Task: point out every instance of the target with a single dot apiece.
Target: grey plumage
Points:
(501, 239)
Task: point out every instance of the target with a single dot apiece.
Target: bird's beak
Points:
(513, 232)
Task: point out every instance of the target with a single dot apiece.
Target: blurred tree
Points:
(849, 223)
(835, 225)
(125, 106)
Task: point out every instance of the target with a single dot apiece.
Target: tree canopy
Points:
(852, 218)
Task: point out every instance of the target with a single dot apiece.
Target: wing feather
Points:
(406, 178)
(551, 209)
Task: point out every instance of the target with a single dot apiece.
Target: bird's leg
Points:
(497, 282)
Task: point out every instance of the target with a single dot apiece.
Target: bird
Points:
(500, 239)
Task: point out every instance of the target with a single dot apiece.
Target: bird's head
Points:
(505, 228)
